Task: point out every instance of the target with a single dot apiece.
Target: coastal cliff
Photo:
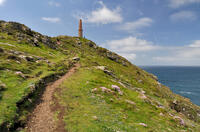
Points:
(106, 93)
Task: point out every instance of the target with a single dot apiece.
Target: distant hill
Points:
(105, 94)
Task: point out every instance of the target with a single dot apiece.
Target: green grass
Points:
(18, 87)
(112, 112)
(87, 111)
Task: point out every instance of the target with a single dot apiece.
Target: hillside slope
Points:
(107, 93)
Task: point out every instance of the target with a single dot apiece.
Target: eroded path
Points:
(42, 118)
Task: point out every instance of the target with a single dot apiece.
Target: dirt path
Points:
(42, 118)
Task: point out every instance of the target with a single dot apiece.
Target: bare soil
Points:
(42, 118)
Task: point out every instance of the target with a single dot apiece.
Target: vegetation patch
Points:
(107, 93)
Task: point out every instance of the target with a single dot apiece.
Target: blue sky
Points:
(146, 32)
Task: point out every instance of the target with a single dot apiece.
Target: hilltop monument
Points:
(80, 31)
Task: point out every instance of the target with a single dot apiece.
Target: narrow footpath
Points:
(42, 118)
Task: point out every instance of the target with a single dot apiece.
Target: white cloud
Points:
(51, 19)
(144, 52)
(190, 53)
(130, 57)
(195, 44)
(102, 15)
(53, 3)
(140, 23)
(2, 2)
(179, 3)
(131, 44)
(129, 47)
(183, 15)
(183, 55)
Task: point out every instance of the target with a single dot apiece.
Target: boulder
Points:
(161, 114)
(181, 121)
(94, 90)
(143, 124)
(105, 90)
(108, 72)
(30, 58)
(185, 108)
(12, 57)
(101, 68)
(76, 59)
(130, 102)
(91, 44)
(22, 56)
(142, 96)
(124, 63)
(116, 88)
(79, 43)
(112, 56)
(95, 117)
(19, 73)
(122, 84)
(47, 41)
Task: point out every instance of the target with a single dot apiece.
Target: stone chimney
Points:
(80, 31)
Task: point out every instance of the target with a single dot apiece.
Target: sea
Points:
(184, 81)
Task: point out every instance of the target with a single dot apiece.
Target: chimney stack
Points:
(80, 31)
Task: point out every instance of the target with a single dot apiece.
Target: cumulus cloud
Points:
(131, 44)
(53, 3)
(146, 52)
(195, 44)
(138, 24)
(181, 56)
(179, 3)
(2, 2)
(102, 15)
(130, 57)
(129, 47)
(183, 15)
(51, 19)
(189, 54)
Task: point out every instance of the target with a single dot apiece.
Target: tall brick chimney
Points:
(80, 31)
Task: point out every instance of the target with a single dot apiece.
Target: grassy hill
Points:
(107, 93)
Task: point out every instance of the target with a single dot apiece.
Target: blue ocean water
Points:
(184, 81)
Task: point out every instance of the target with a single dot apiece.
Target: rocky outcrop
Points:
(91, 44)
(190, 111)
(113, 56)
(23, 34)
(76, 59)
(13, 57)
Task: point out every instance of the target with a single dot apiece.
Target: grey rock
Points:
(76, 59)
(91, 44)
(79, 43)
(181, 121)
(115, 87)
(12, 57)
(112, 56)
(30, 58)
(130, 102)
(101, 68)
(108, 72)
(143, 124)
